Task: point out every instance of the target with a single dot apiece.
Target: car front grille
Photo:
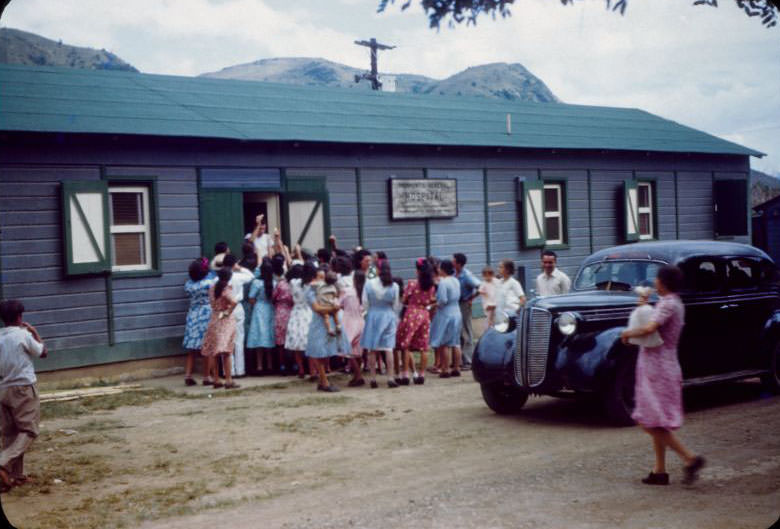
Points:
(606, 314)
(533, 342)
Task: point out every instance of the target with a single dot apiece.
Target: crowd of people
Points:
(273, 310)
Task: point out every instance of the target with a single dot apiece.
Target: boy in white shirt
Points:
(20, 408)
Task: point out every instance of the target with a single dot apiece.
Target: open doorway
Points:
(261, 203)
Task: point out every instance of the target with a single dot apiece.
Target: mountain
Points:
(21, 47)
(497, 80)
(763, 187)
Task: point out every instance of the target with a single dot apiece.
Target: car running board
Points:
(725, 377)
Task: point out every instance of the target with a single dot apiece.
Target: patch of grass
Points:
(76, 408)
(311, 400)
(363, 416)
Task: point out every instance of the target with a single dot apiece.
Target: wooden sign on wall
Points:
(426, 198)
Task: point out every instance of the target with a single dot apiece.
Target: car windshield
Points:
(616, 275)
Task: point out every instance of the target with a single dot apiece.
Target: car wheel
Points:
(619, 395)
(771, 380)
(503, 399)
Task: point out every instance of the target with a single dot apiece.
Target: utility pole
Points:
(374, 75)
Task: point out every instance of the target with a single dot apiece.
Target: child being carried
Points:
(641, 317)
(328, 296)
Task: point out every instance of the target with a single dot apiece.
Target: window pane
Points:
(127, 209)
(128, 249)
(553, 228)
(644, 196)
(740, 273)
(645, 226)
(551, 199)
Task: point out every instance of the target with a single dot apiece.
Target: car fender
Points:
(771, 332)
(586, 361)
(493, 357)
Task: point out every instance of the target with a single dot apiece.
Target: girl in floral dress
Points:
(261, 325)
(283, 305)
(300, 316)
(415, 328)
(658, 382)
(220, 338)
(198, 315)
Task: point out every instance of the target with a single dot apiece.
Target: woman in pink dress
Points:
(352, 316)
(283, 304)
(220, 338)
(414, 332)
(658, 386)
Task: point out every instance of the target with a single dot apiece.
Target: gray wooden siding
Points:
(67, 312)
(156, 307)
(466, 232)
(696, 205)
(402, 241)
(607, 207)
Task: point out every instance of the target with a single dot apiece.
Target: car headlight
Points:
(567, 323)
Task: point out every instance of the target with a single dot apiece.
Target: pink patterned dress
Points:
(220, 337)
(658, 386)
(414, 332)
(352, 314)
(283, 304)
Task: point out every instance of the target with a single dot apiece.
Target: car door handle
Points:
(729, 306)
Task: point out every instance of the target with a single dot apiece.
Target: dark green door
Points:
(306, 219)
(221, 219)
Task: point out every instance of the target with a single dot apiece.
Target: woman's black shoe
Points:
(404, 381)
(662, 478)
(374, 385)
(692, 470)
(419, 380)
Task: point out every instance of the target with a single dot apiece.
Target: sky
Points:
(713, 69)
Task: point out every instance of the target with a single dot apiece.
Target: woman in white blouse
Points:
(509, 293)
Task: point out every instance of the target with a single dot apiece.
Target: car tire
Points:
(503, 399)
(619, 394)
(771, 380)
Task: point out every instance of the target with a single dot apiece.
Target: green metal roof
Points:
(48, 99)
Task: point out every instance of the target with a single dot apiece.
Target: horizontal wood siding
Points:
(696, 208)
(466, 232)
(607, 207)
(68, 312)
(156, 307)
(402, 241)
(666, 219)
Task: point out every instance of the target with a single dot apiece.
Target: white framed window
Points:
(131, 230)
(645, 218)
(553, 213)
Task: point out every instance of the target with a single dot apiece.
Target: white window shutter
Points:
(86, 227)
(631, 208)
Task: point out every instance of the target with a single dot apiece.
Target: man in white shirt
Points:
(261, 239)
(551, 282)
(21, 409)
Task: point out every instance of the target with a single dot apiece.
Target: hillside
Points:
(763, 187)
(497, 80)
(21, 47)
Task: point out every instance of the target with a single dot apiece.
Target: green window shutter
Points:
(306, 220)
(631, 210)
(533, 213)
(86, 228)
(221, 219)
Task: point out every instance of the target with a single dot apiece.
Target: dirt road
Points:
(426, 457)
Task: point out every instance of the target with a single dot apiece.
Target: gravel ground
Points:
(432, 456)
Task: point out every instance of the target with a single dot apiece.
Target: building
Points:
(112, 182)
(766, 227)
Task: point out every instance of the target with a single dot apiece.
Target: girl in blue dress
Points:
(380, 298)
(198, 315)
(261, 324)
(446, 324)
(321, 345)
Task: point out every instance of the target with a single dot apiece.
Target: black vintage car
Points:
(570, 344)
